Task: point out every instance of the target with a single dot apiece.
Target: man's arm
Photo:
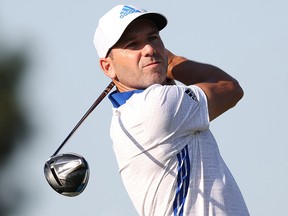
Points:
(222, 91)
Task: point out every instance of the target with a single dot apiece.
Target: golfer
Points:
(168, 158)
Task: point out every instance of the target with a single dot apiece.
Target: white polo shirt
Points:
(168, 158)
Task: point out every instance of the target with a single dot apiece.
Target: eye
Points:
(131, 45)
(153, 37)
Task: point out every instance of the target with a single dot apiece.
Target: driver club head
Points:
(67, 174)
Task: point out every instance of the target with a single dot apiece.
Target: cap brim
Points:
(159, 20)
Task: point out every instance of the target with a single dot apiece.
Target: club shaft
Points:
(94, 105)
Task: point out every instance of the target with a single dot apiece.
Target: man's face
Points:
(139, 57)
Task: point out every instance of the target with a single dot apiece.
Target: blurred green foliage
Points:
(13, 124)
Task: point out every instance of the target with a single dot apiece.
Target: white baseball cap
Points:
(112, 25)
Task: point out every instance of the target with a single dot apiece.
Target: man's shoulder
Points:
(157, 90)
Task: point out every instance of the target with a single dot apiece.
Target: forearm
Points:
(190, 72)
(222, 91)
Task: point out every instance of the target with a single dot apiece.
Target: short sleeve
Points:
(168, 110)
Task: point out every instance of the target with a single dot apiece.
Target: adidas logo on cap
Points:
(126, 10)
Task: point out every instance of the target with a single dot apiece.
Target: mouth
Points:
(152, 64)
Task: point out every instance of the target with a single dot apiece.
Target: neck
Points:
(122, 88)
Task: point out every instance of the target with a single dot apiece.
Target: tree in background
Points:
(13, 124)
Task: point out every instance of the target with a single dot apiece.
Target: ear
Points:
(107, 67)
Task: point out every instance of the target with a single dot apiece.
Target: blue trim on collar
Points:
(120, 98)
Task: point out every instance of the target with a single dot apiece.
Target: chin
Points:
(159, 79)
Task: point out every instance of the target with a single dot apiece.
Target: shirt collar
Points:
(120, 98)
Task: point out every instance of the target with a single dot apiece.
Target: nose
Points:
(148, 50)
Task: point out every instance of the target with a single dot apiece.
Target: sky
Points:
(247, 39)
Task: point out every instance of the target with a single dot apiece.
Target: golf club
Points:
(68, 174)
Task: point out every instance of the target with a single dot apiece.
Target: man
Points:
(168, 159)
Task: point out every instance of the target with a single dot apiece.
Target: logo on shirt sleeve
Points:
(191, 94)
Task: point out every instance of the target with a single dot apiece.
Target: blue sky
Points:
(247, 39)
